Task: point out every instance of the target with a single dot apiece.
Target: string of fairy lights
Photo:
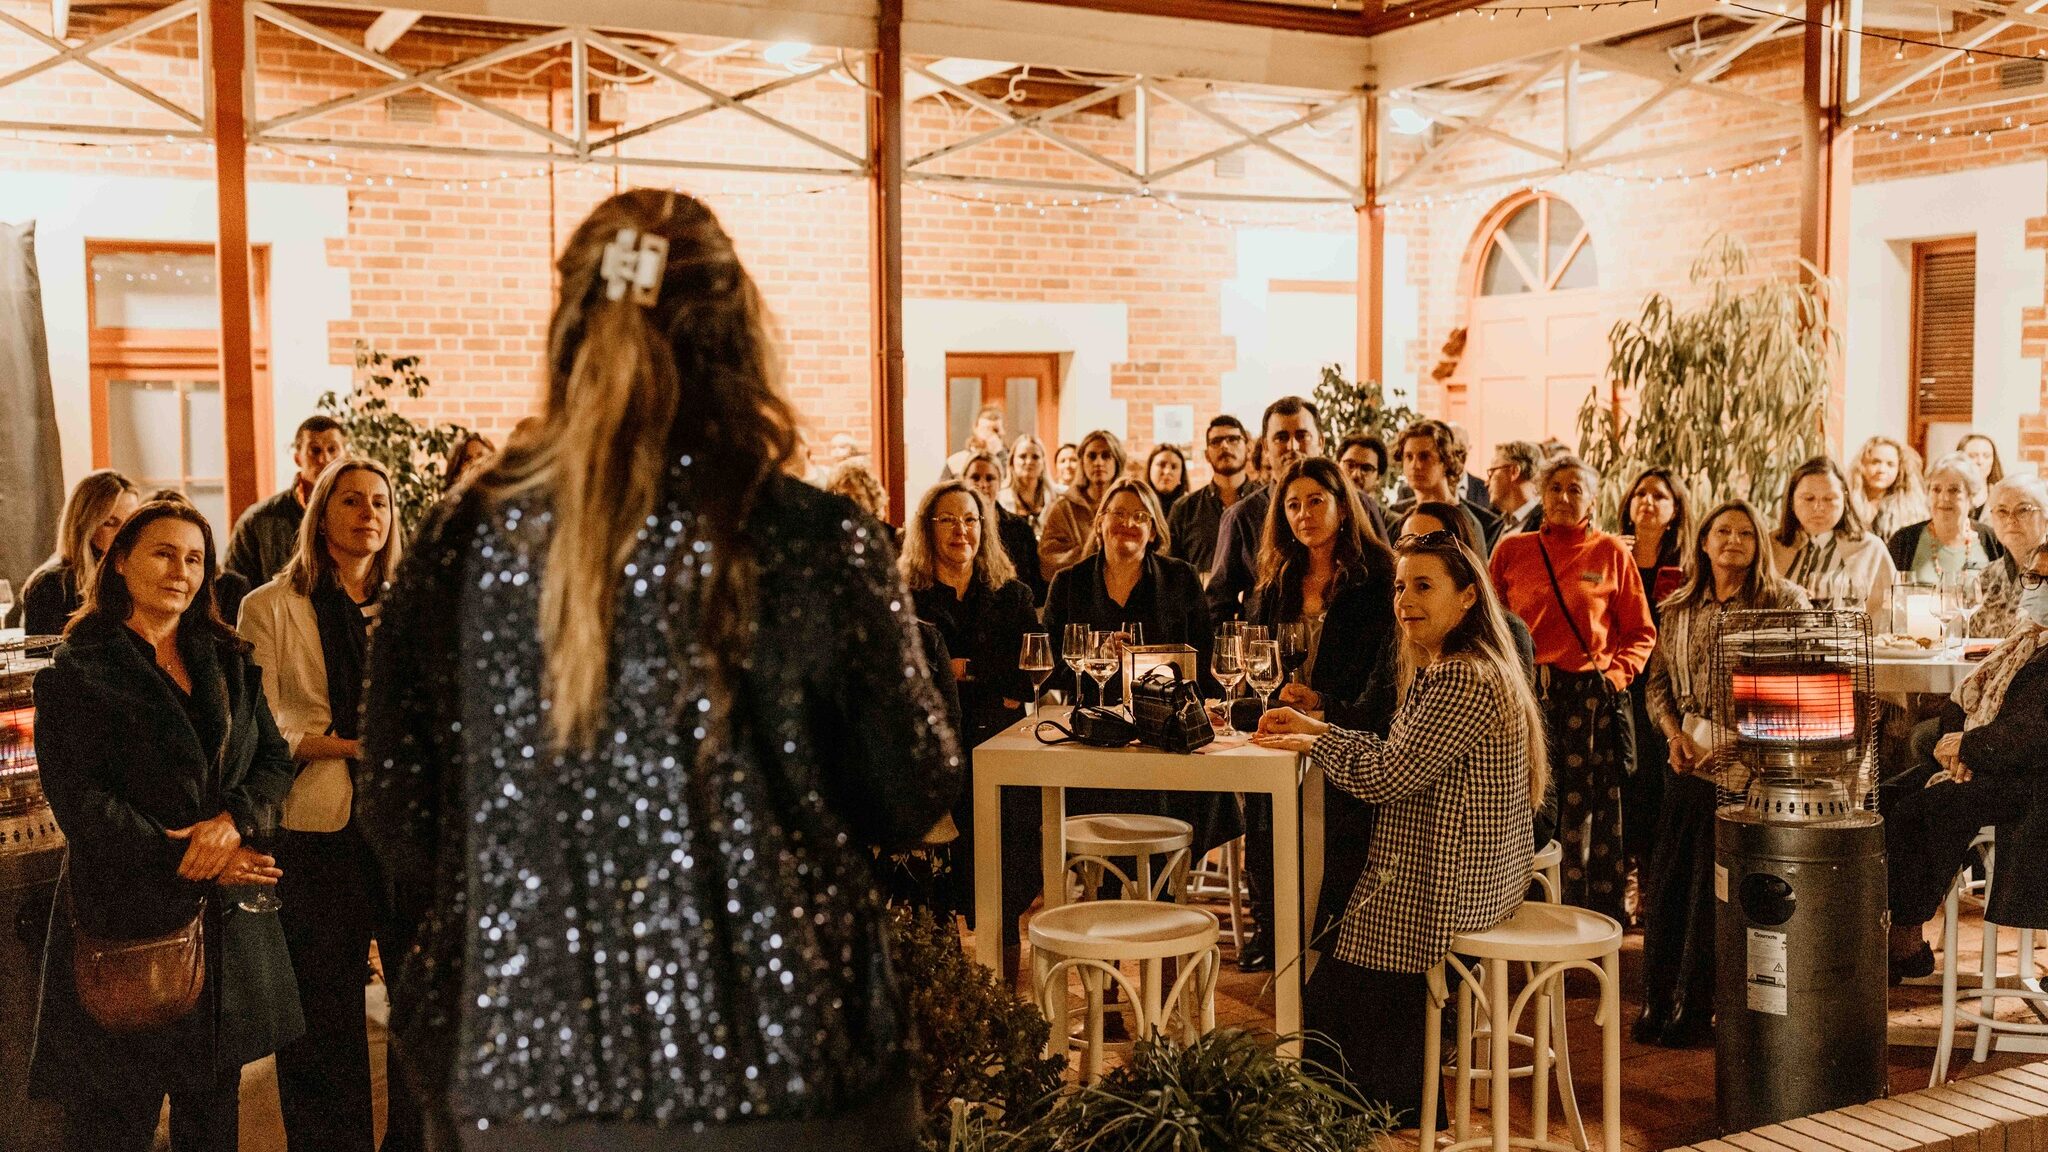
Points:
(465, 174)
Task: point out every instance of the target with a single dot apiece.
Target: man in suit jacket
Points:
(1511, 484)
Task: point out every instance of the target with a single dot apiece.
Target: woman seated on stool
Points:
(1433, 517)
(1456, 781)
(1320, 565)
(1989, 770)
(1731, 572)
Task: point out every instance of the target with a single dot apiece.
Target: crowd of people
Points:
(602, 755)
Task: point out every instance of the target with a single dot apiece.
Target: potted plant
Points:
(1730, 393)
(1350, 409)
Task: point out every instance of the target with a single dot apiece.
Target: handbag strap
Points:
(1562, 607)
(1066, 734)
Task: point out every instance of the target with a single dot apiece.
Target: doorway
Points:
(1538, 332)
(1024, 384)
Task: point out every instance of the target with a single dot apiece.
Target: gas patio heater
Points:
(1799, 877)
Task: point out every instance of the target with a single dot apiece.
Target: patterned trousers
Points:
(1590, 756)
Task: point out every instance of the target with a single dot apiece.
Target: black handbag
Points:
(1095, 727)
(1169, 712)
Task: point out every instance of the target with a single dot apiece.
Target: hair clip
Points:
(634, 260)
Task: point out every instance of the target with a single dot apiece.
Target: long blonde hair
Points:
(1481, 639)
(88, 507)
(311, 562)
(919, 562)
(614, 422)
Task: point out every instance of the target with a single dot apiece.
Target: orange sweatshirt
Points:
(1602, 588)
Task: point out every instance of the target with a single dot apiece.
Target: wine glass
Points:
(1293, 639)
(1226, 663)
(1134, 632)
(1251, 633)
(1074, 650)
(1968, 594)
(1105, 652)
(263, 837)
(1263, 670)
(1948, 604)
(1036, 659)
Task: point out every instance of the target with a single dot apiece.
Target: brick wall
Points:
(442, 265)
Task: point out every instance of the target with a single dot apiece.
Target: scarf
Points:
(344, 640)
(1982, 692)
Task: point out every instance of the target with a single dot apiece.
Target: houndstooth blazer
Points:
(1450, 851)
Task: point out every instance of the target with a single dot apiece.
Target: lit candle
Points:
(1920, 618)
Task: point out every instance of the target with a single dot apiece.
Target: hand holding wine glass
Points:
(264, 831)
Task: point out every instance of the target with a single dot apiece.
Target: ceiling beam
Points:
(1247, 13)
(385, 30)
(1408, 57)
(60, 18)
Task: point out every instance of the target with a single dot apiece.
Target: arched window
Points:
(1541, 246)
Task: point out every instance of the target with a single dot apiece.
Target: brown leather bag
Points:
(129, 986)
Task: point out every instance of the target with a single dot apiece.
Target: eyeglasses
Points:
(2032, 579)
(957, 521)
(1441, 538)
(1229, 440)
(1129, 519)
(2016, 512)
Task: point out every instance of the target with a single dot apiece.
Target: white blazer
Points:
(280, 624)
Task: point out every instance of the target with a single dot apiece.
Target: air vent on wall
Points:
(1230, 165)
(411, 108)
(2022, 73)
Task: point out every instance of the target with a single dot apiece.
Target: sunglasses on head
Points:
(1441, 538)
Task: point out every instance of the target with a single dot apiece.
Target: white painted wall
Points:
(1282, 343)
(1090, 337)
(1885, 219)
(295, 220)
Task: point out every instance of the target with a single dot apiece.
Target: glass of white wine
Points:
(1226, 663)
(1263, 670)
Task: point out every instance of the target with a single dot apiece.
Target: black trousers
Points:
(1642, 791)
(1678, 901)
(1927, 836)
(204, 1121)
(1367, 1025)
(332, 910)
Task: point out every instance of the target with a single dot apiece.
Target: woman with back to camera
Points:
(1822, 546)
(1321, 568)
(159, 757)
(1731, 572)
(1455, 780)
(640, 707)
(309, 631)
(1885, 486)
(54, 592)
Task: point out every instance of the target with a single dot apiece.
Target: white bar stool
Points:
(2023, 984)
(1219, 877)
(1095, 842)
(1547, 867)
(1553, 939)
(1094, 937)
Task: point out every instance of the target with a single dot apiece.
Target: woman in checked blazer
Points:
(1456, 781)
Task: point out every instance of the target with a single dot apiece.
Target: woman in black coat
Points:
(1990, 772)
(1321, 566)
(159, 755)
(963, 585)
(641, 709)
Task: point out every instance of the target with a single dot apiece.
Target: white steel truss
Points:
(1996, 19)
(1124, 179)
(194, 125)
(1571, 153)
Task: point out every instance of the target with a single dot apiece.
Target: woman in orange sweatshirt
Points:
(1580, 594)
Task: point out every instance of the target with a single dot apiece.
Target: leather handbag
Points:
(1168, 711)
(1095, 727)
(130, 986)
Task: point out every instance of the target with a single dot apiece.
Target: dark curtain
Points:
(31, 468)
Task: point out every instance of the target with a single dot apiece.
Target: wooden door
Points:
(1943, 360)
(1025, 384)
(1538, 331)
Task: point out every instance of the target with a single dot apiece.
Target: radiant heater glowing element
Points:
(1801, 708)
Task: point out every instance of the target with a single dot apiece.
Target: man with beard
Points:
(1195, 519)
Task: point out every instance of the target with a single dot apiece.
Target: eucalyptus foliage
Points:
(415, 451)
(1730, 392)
(1347, 408)
(1226, 1092)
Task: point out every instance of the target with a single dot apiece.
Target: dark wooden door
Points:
(1025, 384)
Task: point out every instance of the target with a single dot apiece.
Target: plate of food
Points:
(1892, 646)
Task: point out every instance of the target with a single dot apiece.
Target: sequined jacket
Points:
(680, 926)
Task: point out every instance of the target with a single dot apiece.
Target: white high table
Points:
(1014, 758)
(1937, 675)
